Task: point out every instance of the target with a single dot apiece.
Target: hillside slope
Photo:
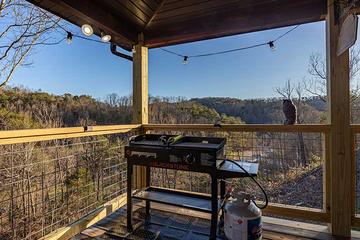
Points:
(264, 111)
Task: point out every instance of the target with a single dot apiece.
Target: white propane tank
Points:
(242, 218)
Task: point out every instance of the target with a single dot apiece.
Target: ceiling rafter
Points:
(158, 8)
(175, 22)
(274, 14)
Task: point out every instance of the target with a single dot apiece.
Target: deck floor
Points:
(163, 224)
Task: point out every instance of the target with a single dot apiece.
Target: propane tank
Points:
(242, 218)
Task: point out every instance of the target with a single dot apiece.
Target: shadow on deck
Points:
(173, 223)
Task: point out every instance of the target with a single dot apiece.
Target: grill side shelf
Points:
(226, 169)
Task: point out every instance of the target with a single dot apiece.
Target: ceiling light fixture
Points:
(105, 37)
(87, 30)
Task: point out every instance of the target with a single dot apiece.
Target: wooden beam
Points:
(37, 135)
(297, 212)
(140, 85)
(311, 128)
(140, 99)
(235, 20)
(8, 141)
(275, 224)
(326, 174)
(160, 4)
(355, 128)
(340, 135)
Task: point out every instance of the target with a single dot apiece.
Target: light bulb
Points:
(272, 45)
(105, 37)
(69, 38)
(87, 30)
(186, 60)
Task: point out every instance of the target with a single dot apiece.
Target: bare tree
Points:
(286, 91)
(23, 26)
(113, 99)
(316, 84)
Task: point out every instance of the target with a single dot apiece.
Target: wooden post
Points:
(140, 98)
(326, 174)
(340, 134)
(140, 84)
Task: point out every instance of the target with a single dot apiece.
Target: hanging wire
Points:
(286, 33)
(271, 44)
(228, 51)
(168, 51)
(73, 34)
(89, 39)
(186, 57)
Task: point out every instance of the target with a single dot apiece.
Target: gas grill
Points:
(186, 153)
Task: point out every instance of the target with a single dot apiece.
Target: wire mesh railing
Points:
(289, 162)
(50, 184)
(45, 185)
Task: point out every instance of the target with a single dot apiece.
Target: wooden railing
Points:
(38, 135)
(305, 213)
(51, 178)
(322, 214)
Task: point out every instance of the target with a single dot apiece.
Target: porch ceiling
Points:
(168, 22)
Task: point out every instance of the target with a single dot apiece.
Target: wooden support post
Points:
(140, 98)
(326, 174)
(340, 134)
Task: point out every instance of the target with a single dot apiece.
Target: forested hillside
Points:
(262, 111)
(22, 108)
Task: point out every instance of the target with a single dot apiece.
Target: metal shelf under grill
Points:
(184, 199)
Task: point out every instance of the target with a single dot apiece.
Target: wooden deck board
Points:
(279, 236)
(183, 223)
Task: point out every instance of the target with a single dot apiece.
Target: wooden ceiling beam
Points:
(276, 14)
(124, 33)
(158, 8)
(205, 20)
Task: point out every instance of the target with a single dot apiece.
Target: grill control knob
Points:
(189, 158)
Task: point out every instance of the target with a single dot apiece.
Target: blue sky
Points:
(86, 67)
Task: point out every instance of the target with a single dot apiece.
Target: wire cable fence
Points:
(289, 164)
(47, 185)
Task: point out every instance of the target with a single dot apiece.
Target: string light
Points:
(271, 44)
(88, 31)
(69, 38)
(71, 35)
(84, 28)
